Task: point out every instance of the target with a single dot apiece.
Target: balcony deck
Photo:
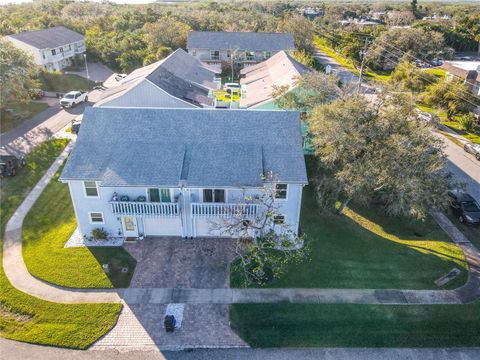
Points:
(136, 208)
(223, 210)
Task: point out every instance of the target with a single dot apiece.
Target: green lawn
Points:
(454, 125)
(29, 319)
(47, 227)
(55, 81)
(21, 113)
(345, 325)
(471, 136)
(366, 249)
(438, 72)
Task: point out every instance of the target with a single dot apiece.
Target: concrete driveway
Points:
(173, 262)
(96, 72)
(181, 263)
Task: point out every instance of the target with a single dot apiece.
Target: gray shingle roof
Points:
(166, 147)
(180, 74)
(251, 41)
(49, 38)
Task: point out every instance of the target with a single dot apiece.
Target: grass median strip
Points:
(27, 318)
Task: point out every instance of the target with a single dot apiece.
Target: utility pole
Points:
(86, 65)
(362, 66)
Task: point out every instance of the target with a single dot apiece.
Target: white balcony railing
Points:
(223, 210)
(80, 49)
(136, 208)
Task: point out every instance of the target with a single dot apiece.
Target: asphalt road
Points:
(464, 166)
(12, 350)
(41, 127)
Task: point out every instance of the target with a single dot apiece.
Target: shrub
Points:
(99, 234)
(467, 122)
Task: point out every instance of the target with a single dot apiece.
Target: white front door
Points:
(130, 228)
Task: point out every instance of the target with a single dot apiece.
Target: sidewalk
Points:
(18, 275)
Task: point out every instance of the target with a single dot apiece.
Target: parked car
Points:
(73, 98)
(464, 207)
(75, 128)
(36, 94)
(10, 164)
(120, 77)
(437, 62)
(472, 149)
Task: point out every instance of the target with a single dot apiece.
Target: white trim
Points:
(85, 190)
(299, 209)
(96, 222)
(214, 188)
(170, 190)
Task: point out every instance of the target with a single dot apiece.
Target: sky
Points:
(4, 2)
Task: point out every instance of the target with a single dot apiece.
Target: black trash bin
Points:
(169, 323)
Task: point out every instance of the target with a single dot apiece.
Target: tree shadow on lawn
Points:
(364, 248)
(423, 236)
(120, 263)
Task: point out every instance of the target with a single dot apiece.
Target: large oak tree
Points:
(378, 152)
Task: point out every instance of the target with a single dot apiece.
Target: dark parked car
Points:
(472, 149)
(464, 207)
(9, 164)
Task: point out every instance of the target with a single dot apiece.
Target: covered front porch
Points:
(146, 219)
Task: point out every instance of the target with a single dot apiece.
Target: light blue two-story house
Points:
(170, 172)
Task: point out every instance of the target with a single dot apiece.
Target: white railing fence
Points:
(144, 208)
(223, 210)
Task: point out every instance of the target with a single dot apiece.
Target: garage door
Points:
(163, 227)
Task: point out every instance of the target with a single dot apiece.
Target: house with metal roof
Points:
(170, 172)
(53, 48)
(466, 71)
(258, 81)
(178, 81)
(241, 48)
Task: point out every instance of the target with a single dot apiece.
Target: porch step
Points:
(130, 240)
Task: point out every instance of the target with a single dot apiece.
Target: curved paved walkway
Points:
(14, 266)
(18, 275)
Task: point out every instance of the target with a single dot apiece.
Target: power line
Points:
(463, 90)
(433, 82)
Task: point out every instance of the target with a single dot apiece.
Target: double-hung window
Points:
(250, 55)
(54, 52)
(159, 195)
(91, 189)
(96, 217)
(215, 55)
(267, 54)
(279, 219)
(213, 195)
(281, 191)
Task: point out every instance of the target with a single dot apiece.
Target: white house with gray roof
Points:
(217, 47)
(171, 172)
(178, 81)
(258, 81)
(53, 48)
